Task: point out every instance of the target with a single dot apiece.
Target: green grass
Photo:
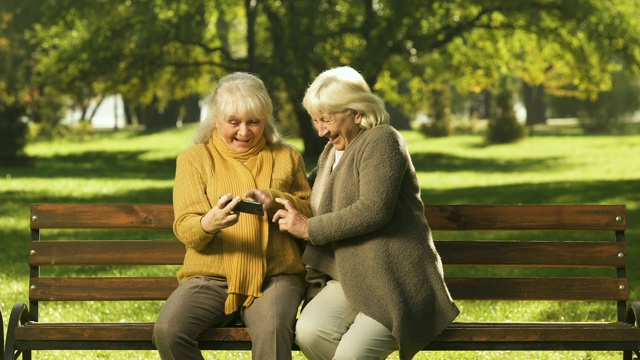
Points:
(553, 167)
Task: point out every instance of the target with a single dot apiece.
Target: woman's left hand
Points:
(290, 220)
(262, 196)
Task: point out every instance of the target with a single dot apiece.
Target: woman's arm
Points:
(367, 199)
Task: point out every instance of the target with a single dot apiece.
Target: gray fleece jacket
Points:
(369, 232)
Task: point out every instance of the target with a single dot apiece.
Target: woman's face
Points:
(241, 134)
(339, 128)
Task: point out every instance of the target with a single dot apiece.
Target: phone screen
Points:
(249, 207)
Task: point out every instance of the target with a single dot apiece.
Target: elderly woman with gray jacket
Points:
(369, 247)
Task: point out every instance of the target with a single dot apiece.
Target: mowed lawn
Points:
(553, 167)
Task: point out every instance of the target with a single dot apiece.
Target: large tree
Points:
(157, 51)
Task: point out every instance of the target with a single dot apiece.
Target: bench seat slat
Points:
(496, 253)
(458, 331)
(139, 331)
(159, 288)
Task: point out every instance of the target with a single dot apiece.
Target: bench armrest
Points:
(1, 334)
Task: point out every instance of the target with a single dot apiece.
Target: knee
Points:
(305, 332)
(163, 332)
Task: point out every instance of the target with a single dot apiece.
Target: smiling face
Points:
(339, 128)
(241, 134)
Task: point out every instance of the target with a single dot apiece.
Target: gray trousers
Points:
(198, 304)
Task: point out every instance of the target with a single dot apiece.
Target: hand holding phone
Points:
(249, 207)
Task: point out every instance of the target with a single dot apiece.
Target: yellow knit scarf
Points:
(245, 243)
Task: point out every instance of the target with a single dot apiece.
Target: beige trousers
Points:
(331, 328)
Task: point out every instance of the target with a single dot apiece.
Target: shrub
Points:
(503, 126)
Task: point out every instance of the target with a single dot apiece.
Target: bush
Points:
(503, 126)
(439, 124)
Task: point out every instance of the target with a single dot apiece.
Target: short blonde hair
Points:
(343, 89)
(240, 95)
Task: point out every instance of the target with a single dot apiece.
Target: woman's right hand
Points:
(221, 215)
(291, 221)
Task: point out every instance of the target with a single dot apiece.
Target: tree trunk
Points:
(534, 103)
(191, 106)
(313, 144)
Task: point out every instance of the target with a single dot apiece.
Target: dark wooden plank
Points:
(106, 252)
(538, 253)
(441, 217)
(538, 288)
(107, 289)
(526, 217)
(113, 332)
(456, 332)
(547, 331)
(101, 216)
(495, 253)
(110, 289)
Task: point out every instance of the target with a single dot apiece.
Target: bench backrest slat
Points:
(106, 252)
(526, 217)
(539, 253)
(101, 216)
(102, 289)
(440, 217)
(497, 253)
(538, 288)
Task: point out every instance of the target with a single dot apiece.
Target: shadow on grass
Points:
(443, 162)
(98, 165)
(570, 192)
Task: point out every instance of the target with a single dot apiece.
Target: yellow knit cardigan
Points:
(196, 190)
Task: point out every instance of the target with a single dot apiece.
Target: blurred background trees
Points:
(430, 60)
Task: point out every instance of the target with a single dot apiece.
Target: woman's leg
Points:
(331, 328)
(366, 339)
(196, 305)
(323, 322)
(271, 318)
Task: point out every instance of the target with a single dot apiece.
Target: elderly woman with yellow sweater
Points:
(236, 264)
(369, 245)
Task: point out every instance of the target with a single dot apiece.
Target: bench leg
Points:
(1, 334)
(19, 315)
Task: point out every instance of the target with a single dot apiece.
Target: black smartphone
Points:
(249, 207)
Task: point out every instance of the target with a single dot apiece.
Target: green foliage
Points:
(610, 112)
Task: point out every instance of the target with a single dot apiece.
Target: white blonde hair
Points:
(343, 89)
(241, 95)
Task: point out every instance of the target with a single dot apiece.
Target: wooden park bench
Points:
(561, 242)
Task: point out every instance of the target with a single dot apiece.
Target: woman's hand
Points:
(291, 221)
(262, 196)
(221, 215)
